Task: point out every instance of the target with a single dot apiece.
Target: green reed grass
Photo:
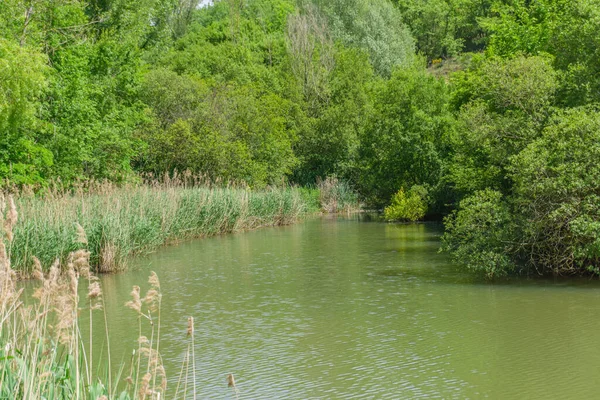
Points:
(125, 221)
(43, 353)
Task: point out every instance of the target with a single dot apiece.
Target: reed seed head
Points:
(153, 280)
(81, 235)
(37, 269)
(145, 386)
(11, 219)
(160, 371)
(190, 327)
(230, 380)
(95, 295)
(135, 303)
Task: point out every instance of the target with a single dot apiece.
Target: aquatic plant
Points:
(336, 195)
(43, 353)
(122, 221)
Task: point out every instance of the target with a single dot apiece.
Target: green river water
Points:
(341, 308)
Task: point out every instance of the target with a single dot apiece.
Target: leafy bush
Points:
(477, 234)
(549, 220)
(557, 195)
(410, 206)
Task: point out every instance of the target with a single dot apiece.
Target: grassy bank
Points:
(43, 353)
(133, 219)
(124, 221)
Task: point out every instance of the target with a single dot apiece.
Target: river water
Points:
(342, 308)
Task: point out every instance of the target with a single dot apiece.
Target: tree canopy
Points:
(482, 112)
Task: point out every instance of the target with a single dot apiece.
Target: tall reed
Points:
(131, 219)
(43, 354)
(337, 196)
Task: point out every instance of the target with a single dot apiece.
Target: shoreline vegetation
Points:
(485, 113)
(128, 220)
(77, 233)
(45, 353)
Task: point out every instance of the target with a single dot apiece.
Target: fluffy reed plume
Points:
(135, 303)
(38, 274)
(95, 295)
(190, 328)
(230, 380)
(145, 387)
(231, 384)
(11, 219)
(153, 280)
(81, 235)
(81, 262)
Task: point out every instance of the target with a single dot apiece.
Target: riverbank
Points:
(124, 221)
(44, 353)
(43, 350)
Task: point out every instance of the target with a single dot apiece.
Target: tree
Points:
(568, 30)
(444, 28)
(329, 144)
(311, 54)
(373, 25)
(502, 106)
(557, 195)
(401, 144)
(226, 132)
(22, 82)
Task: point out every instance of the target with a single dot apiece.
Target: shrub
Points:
(410, 206)
(549, 221)
(477, 234)
(556, 195)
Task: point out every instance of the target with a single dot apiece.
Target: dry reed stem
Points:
(231, 383)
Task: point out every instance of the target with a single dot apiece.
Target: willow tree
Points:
(373, 25)
(311, 53)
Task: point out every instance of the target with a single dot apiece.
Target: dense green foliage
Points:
(444, 28)
(524, 144)
(489, 105)
(410, 206)
(120, 222)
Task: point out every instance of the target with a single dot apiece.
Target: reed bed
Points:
(132, 219)
(336, 196)
(43, 353)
